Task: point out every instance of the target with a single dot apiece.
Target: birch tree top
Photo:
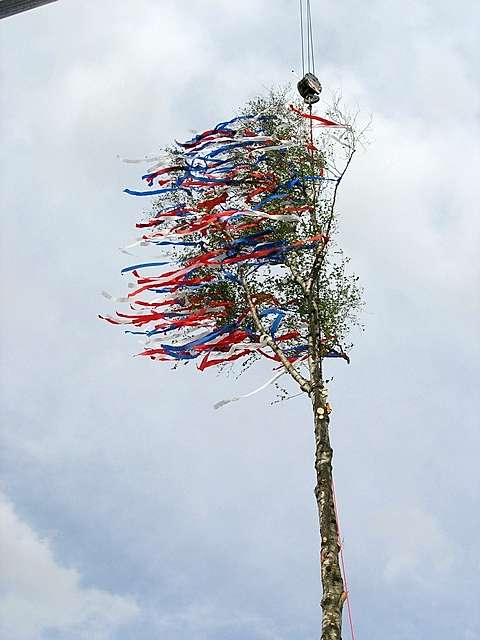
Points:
(244, 219)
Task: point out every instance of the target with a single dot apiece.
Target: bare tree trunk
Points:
(332, 583)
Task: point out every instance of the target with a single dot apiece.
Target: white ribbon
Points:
(222, 403)
(108, 296)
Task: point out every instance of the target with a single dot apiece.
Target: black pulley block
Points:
(309, 88)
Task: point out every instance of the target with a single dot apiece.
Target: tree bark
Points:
(332, 582)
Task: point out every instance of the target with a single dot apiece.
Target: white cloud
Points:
(38, 595)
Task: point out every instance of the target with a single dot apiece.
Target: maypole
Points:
(243, 215)
(334, 593)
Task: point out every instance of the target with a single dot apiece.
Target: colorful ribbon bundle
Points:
(230, 205)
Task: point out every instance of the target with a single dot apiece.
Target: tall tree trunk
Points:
(332, 583)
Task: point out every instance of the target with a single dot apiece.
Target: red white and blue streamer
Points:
(215, 215)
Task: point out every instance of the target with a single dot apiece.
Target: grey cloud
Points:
(206, 518)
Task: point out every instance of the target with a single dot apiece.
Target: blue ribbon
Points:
(275, 196)
(235, 145)
(223, 125)
(155, 192)
(141, 266)
(279, 316)
(172, 349)
(250, 240)
(231, 277)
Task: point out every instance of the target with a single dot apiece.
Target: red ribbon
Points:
(324, 121)
(212, 202)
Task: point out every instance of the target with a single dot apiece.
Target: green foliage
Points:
(337, 292)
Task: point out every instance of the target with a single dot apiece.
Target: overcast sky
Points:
(130, 509)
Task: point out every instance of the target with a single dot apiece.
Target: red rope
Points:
(342, 561)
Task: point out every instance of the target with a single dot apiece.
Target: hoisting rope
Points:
(301, 38)
(342, 561)
(306, 39)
